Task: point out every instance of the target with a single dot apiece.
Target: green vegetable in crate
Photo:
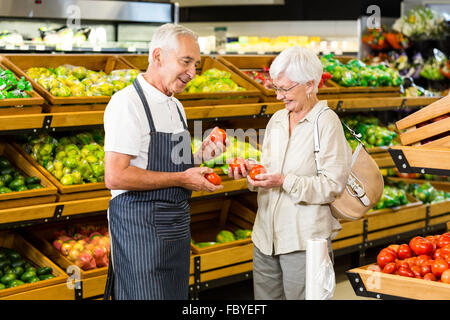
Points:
(428, 194)
(391, 197)
(11, 88)
(205, 244)
(212, 80)
(356, 73)
(243, 234)
(225, 236)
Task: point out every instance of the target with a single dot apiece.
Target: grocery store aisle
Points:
(244, 290)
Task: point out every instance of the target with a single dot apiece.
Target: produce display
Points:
(381, 39)
(237, 148)
(74, 159)
(356, 73)
(77, 81)
(15, 270)
(391, 197)
(11, 88)
(87, 246)
(263, 77)
(225, 236)
(212, 80)
(426, 258)
(372, 134)
(422, 23)
(12, 179)
(424, 192)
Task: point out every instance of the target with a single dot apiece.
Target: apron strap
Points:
(144, 102)
(181, 117)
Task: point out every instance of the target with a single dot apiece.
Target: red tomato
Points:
(237, 164)
(405, 272)
(404, 252)
(213, 178)
(445, 249)
(438, 267)
(424, 269)
(421, 246)
(445, 276)
(388, 249)
(438, 254)
(421, 259)
(394, 247)
(218, 135)
(401, 263)
(429, 277)
(255, 171)
(390, 268)
(443, 240)
(385, 257)
(416, 270)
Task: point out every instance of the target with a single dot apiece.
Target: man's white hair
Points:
(166, 37)
(299, 65)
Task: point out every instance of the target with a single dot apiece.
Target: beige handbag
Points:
(364, 185)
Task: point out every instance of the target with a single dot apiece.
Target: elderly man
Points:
(150, 179)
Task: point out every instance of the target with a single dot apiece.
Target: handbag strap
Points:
(317, 140)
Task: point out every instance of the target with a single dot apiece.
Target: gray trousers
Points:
(280, 277)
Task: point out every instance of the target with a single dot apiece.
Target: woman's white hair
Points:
(299, 65)
(166, 37)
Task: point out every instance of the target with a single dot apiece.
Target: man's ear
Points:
(156, 56)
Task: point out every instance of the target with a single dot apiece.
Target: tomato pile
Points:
(425, 258)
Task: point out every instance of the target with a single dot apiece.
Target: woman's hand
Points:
(244, 169)
(267, 180)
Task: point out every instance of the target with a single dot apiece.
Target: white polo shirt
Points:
(127, 129)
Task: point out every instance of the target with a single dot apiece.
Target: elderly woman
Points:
(293, 199)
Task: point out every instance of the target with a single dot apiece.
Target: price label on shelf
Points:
(97, 49)
(131, 49)
(24, 47)
(40, 47)
(10, 47)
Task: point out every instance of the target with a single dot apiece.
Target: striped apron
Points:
(150, 230)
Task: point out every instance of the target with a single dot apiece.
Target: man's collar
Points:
(155, 94)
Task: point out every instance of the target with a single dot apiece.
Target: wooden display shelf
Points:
(421, 160)
(17, 105)
(20, 63)
(23, 198)
(388, 222)
(55, 288)
(251, 95)
(378, 285)
(76, 188)
(351, 234)
(425, 135)
(228, 186)
(208, 217)
(50, 211)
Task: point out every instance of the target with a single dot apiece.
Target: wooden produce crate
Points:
(425, 136)
(251, 95)
(21, 106)
(378, 284)
(51, 289)
(20, 63)
(241, 63)
(208, 217)
(47, 194)
(67, 193)
(388, 222)
(94, 280)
